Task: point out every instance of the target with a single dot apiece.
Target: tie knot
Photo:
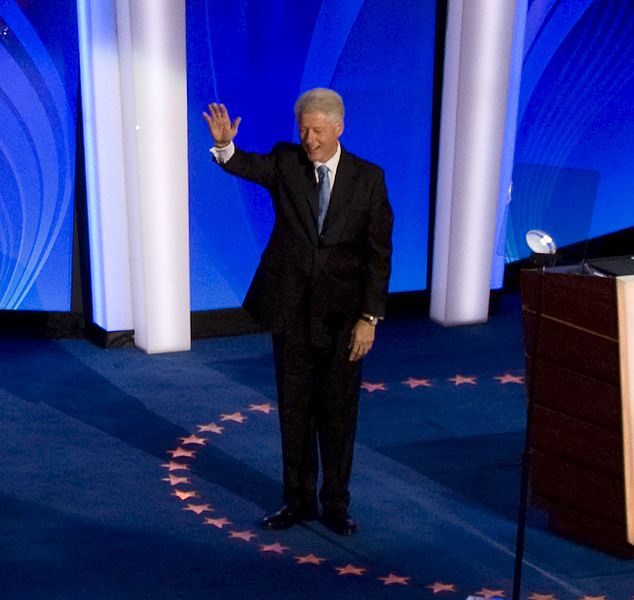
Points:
(322, 171)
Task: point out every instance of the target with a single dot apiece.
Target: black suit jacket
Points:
(330, 277)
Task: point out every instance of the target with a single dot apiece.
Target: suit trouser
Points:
(318, 398)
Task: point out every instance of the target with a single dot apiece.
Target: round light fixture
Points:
(540, 242)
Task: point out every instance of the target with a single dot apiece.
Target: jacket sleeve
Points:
(378, 254)
(252, 166)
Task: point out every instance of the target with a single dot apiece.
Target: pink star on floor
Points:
(594, 598)
(374, 387)
(488, 594)
(238, 417)
(246, 535)
(211, 427)
(175, 466)
(194, 439)
(263, 408)
(461, 380)
(438, 587)
(219, 523)
(535, 596)
(173, 480)
(350, 570)
(182, 495)
(181, 452)
(414, 383)
(392, 579)
(276, 548)
(309, 559)
(508, 378)
(199, 509)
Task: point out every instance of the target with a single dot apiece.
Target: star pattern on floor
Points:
(350, 570)
(412, 383)
(489, 593)
(439, 586)
(310, 558)
(194, 439)
(246, 535)
(459, 379)
(393, 579)
(199, 509)
(182, 453)
(263, 408)
(211, 427)
(173, 480)
(373, 387)
(185, 495)
(175, 466)
(510, 378)
(218, 523)
(463, 380)
(276, 548)
(237, 417)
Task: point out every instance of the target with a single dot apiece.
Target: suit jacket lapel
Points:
(308, 205)
(340, 199)
(339, 207)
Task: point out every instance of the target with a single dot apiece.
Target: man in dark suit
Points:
(321, 288)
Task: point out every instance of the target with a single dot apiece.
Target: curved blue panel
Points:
(257, 56)
(573, 173)
(389, 102)
(38, 93)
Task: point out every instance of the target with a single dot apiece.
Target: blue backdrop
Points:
(573, 172)
(38, 100)
(257, 56)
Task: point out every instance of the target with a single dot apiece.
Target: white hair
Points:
(322, 100)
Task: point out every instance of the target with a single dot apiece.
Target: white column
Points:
(151, 36)
(478, 56)
(498, 263)
(105, 167)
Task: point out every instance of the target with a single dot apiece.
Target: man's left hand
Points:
(361, 339)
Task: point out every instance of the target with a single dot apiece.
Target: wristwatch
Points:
(373, 320)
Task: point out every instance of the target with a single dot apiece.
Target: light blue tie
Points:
(324, 195)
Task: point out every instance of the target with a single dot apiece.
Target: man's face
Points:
(319, 135)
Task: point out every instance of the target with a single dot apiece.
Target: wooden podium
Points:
(579, 340)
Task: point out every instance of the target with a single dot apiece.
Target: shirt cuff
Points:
(224, 154)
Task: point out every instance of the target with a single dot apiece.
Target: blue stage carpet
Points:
(128, 476)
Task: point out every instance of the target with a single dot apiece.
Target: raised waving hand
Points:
(220, 126)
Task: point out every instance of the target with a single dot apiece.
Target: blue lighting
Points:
(256, 57)
(38, 96)
(573, 175)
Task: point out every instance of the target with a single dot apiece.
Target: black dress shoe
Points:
(340, 524)
(288, 516)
